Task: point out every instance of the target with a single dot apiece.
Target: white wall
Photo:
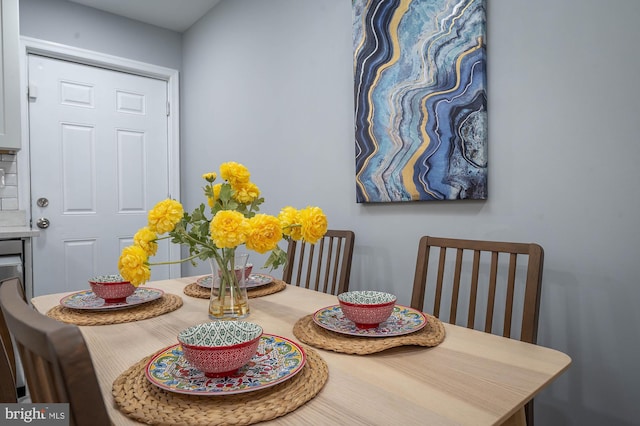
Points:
(269, 84)
(75, 25)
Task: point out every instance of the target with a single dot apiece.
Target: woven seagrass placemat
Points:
(139, 399)
(195, 290)
(167, 303)
(312, 334)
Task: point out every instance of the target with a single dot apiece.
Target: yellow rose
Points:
(133, 265)
(246, 193)
(229, 229)
(234, 173)
(165, 215)
(290, 222)
(314, 224)
(210, 177)
(264, 233)
(146, 239)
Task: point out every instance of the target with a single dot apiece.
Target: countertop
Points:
(9, 232)
(13, 224)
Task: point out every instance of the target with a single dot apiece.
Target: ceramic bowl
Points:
(247, 272)
(111, 288)
(367, 309)
(220, 348)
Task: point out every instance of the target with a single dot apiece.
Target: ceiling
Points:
(176, 15)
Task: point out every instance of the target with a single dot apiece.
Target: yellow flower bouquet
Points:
(214, 234)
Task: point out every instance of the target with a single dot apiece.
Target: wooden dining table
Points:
(471, 378)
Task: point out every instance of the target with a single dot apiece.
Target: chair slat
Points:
(310, 265)
(441, 264)
(473, 292)
(327, 265)
(456, 286)
(511, 283)
(335, 260)
(301, 262)
(491, 298)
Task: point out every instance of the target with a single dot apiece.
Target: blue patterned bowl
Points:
(367, 309)
(220, 348)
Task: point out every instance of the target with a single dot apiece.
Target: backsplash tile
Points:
(9, 194)
(9, 204)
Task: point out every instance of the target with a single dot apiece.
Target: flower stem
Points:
(173, 262)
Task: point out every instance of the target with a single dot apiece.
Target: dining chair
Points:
(324, 266)
(8, 367)
(57, 363)
(497, 290)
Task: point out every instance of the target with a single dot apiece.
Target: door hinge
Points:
(168, 109)
(32, 92)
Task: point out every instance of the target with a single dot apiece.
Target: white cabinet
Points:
(9, 76)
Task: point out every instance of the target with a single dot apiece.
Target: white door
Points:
(99, 161)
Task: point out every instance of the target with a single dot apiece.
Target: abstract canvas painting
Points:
(420, 100)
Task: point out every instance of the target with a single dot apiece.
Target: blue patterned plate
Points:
(403, 320)
(276, 360)
(87, 300)
(253, 281)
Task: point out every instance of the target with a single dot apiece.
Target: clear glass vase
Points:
(229, 298)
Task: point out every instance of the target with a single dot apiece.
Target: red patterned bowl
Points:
(111, 288)
(367, 309)
(247, 272)
(220, 348)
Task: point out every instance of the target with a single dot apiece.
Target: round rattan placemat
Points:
(195, 290)
(167, 303)
(139, 399)
(312, 334)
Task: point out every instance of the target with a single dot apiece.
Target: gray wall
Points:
(269, 84)
(75, 25)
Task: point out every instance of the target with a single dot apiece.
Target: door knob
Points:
(43, 223)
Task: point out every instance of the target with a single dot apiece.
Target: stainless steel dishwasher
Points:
(12, 259)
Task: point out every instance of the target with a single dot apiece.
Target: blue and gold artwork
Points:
(420, 100)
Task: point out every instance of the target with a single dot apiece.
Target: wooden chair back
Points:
(324, 266)
(57, 363)
(497, 274)
(8, 391)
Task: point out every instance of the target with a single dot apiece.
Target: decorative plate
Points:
(276, 360)
(254, 280)
(87, 300)
(403, 320)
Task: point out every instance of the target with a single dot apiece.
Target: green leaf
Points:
(277, 258)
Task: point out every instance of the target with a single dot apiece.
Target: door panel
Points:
(99, 154)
